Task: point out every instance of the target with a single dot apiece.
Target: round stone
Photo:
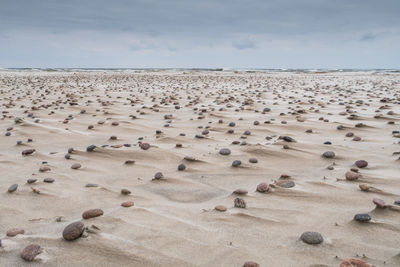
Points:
(76, 166)
(253, 160)
(351, 176)
(379, 203)
(144, 146)
(312, 238)
(225, 151)
(90, 148)
(67, 156)
(361, 163)
(362, 217)
(15, 231)
(262, 188)
(127, 204)
(239, 203)
(12, 188)
(73, 231)
(236, 163)
(92, 213)
(30, 252)
(181, 167)
(158, 175)
(328, 154)
(221, 208)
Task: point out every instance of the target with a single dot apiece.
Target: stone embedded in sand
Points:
(48, 180)
(125, 191)
(253, 160)
(115, 123)
(158, 175)
(28, 151)
(91, 185)
(354, 263)
(144, 146)
(221, 208)
(15, 231)
(287, 138)
(76, 166)
(127, 204)
(397, 202)
(92, 213)
(31, 181)
(73, 231)
(129, 161)
(232, 124)
(328, 154)
(239, 203)
(44, 169)
(67, 156)
(236, 163)
(240, 191)
(12, 188)
(181, 167)
(113, 137)
(364, 187)
(189, 158)
(351, 176)
(379, 203)
(361, 163)
(251, 264)
(262, 188)
(362, 217)
(285, 184)
(90, 148)
(312, 238)
(349, 134)
(356, 138)
(225, 151)
(30, 252)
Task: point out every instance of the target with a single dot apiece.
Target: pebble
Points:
(67, 156)
(28, 151)
(31, 181)
(221, 208)
(44, 169)
(263, 188)
(361, 163)
(127, 204)
(73, 231)
(379, 203)
(253, 160)
(12, 188)
(240, 191)
(351, 176)
(354, 263)
(92, 213)
(312, 238)
(362, 217)
(76, 166)
(144, 146)
(30, 252)
(125, 191)
(89, 148)
(251, 264)
(129, 161)
(91, 185)
(225, 151)
(15, 231)
(239, 203)
(328, 154)
(181, 167)
(48, 180)
(285, 184)
(397, 202)
(236, 163)
(158, 175)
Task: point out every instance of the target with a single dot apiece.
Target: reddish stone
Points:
(92, 213)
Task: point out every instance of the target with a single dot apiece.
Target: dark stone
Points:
(362, 217)
(312, 238)
(73, 231)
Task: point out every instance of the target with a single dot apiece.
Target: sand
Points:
(173, 221)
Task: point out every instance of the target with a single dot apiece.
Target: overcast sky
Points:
(200, 33)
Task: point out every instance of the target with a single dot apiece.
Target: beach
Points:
(213, 168)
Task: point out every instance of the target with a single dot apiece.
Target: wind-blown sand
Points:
(173, 221)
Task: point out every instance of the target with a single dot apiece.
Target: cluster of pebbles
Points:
(248, 123)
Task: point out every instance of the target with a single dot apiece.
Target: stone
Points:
(262, 187)
(30, 252)
(129, 161)
(354, 263)
(240, 191)
(239, 203)
(253, 160)
(125, 191)
(44, 169)
(236, 163)
(12, 188)
(89, 148)
(73, 231)
(362, 217)
(28, 152)
(328, 154)
(221, 208)
(31, 181)
(127, 204)
(361, 163)
(48, 180)
(76, 166)
(91, 185)
(181, 167)
(251, 264)
(285, 184)
(225, 151)
(144, 146)
(352, 176)
(15, 231)
(92, 213)
(158, 175)
(379, 203)
(312, 238)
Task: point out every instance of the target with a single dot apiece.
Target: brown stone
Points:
(30, 252)
(92, 213)
(354, 263)
(351, 176)
(144, 146)
(15, 231)
(73, 231)
(28, 151)
(221, 208)
(240, 191)
(379, 203)
(262, 188)
(127, 204)
(251, 264)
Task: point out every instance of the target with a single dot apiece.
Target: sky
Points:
(200, 33)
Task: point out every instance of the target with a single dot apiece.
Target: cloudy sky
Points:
(200, 33)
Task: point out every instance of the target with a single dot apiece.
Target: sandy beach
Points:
(199, 168)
